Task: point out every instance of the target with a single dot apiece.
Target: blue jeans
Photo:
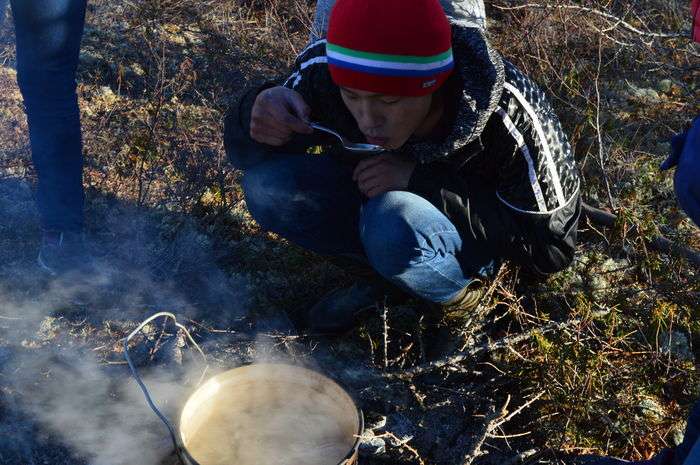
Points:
(313, 202)
(48, 34)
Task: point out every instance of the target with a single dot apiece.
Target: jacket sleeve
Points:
(520, 195)
(538, 182)
(241, 149)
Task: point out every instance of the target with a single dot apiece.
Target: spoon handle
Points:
(325, 129)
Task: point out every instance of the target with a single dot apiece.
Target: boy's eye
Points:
(390, 101)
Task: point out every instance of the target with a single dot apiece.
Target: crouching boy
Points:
(476, 170)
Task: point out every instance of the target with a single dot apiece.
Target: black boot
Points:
(441, 338)
(336, 312)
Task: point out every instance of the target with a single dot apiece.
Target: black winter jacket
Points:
(502, 169)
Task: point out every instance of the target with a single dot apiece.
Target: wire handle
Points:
(173, 435)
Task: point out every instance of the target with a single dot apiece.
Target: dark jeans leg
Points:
(310, 200)
(416, 247)
(48, 45)
(313, 202)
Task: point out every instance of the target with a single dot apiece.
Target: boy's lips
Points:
(377, 140)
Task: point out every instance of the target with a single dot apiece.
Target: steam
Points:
(62, 398)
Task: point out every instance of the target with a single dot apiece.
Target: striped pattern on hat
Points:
(389, 65)
(393, 47)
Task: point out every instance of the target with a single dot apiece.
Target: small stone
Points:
(370, 445)
(643, 94)
(677, 344)
(651, 410)
(678, 433)
(665, 86)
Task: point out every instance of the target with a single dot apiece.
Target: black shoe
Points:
(63, 252)
(442, 339)
(335, 313)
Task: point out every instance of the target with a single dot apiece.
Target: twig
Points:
(659, 243)
(385, 348)
(495, 420)
(601, 150)
(521, 456)
(509, 436)
(492, 346)
(603, 14)
(489, 425)
(520, 409)
(403, 445)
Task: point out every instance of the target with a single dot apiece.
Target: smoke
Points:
(101, 418)
(66, 395)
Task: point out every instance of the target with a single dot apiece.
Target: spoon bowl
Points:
(350, 146)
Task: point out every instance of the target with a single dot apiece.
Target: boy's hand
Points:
(383, 173)
(277, 114)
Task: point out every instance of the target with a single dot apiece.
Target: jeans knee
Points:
(258, 187)
(390, 239)
(274, 199)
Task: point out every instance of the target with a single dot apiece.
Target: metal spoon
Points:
(347, 145)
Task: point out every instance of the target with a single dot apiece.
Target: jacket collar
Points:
(480, 70)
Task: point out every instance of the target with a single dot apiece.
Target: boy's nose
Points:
(370, 118)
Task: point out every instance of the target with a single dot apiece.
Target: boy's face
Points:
(386, 120)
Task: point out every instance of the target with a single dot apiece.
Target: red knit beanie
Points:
(393, 47)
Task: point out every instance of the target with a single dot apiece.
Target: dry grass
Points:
(157, 76)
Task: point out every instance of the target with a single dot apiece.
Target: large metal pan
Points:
(275, 414)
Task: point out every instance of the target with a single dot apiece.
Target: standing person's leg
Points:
(48, 44)
(470, 13)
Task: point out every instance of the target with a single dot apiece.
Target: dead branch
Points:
(599, 133)
(493, 346)
(659, 243)
(616, 19)
(385, 354)
(495, 420)
(490, 423)
(403, 445)
(520, 409)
